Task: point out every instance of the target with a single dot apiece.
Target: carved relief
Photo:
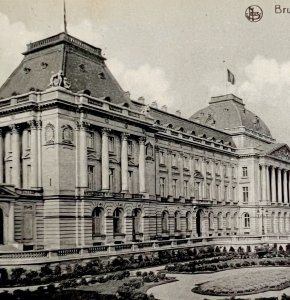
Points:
(49, 134)
(149, 150)
(59, 79)
(67, 134)
(282, 153)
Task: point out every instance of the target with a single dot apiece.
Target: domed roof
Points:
(229, 112)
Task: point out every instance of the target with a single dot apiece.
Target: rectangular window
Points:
(130, 182)
(217, 192)
(91, 177)
(245, 171)
(234, 193)
(174, 160)
(111, 144)
(28, 176)
(217, 168)
(234, 172)
(28, 141)
(245, 194)
(174, 188)
(90, 139)
(111, 180)
(225, 170)
(226, 193)
(208, 191)
(185, 189)
(130, 148)
(162, 158)
(162, 187)
(186, 163)
(196, 190)
(197, 164)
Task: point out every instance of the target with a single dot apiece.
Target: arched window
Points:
(228, 220)
(98, 221)
(235, 220)
(211, 220)
(117, 221)
(164, 219)
(246, 220)
(220, 220)
(177, 226)
(188, 221)
(136, 220)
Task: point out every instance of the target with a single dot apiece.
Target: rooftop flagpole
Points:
(64, 17)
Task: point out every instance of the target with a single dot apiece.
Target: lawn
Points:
(110, 287)
(250, 282)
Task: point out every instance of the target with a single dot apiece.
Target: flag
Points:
(231, 77)
(64, 17)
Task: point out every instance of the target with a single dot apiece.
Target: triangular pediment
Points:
(283, 152)
(6, 192)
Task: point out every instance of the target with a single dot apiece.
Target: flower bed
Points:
(250, 282)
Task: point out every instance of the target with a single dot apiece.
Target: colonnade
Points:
(83, 167)
(274, 184)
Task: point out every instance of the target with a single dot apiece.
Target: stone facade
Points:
(80, 168)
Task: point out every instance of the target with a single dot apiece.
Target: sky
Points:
(175, 52)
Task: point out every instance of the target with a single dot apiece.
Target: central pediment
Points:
(283, 152)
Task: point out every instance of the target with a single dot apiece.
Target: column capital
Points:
(32, 124)
(142, 140)
(14, 128)
(124, 136)
(105, 131)
(39, 124)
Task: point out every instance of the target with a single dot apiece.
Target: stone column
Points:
(105, 160)
(124, 162)
(1, 158)
(288, 187)
(169, 165)
(279, 185)
(34, 155)
(11, 224)
(157, 177)
(263, 183)
(39, 152)
(273, 185)
(285, 189)
(83, 167)
(268, 196)
(203, 170)
(142, 187)
(181, 178)
(16, 166)
(192, 170)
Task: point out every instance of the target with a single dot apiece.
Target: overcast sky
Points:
(171, 51)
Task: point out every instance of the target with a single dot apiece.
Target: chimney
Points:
(178, 113)
(154, 104)
(164, 108)
(141, 100)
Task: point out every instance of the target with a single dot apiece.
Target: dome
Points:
(229, 112)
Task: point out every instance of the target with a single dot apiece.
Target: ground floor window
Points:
(97, 221)
(117, 221)
(164, 219)
(246, 220)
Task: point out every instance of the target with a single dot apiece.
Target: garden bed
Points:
(250, 282)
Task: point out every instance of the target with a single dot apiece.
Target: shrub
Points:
(46, 270)
(3, 276)
(16, 274)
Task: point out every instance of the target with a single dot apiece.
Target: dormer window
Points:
(82, 68)
(101, 75)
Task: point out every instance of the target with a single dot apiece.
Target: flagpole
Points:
(64, 17)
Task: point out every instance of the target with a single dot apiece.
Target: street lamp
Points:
(262, 214)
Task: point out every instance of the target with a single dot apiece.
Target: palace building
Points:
(82, 164)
